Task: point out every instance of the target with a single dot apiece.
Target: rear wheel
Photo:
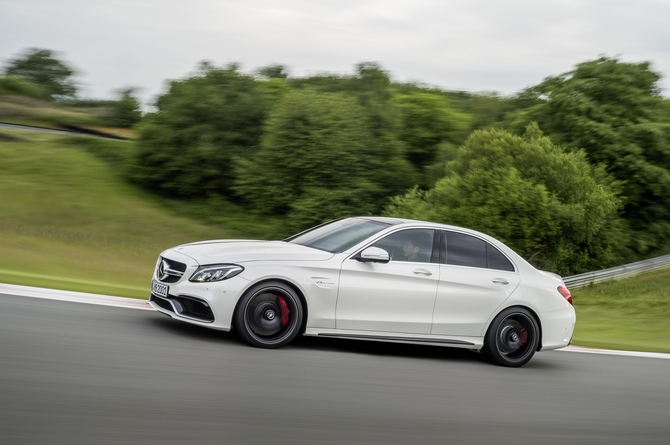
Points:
(269, 315)
(512, 338)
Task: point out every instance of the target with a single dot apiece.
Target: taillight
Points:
(566, 293)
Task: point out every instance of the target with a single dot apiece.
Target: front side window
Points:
(412, 245)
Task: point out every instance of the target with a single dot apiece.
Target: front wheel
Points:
(512, 338)
(269, 315)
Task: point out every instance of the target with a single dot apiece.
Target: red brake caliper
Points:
(524, 335)
(283, 307)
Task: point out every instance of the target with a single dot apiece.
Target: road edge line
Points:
(73, 297)
(586, 350)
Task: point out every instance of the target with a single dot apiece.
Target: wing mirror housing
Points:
(373, 255)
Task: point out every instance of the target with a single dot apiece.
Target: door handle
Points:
(500, 281)
(425, 272)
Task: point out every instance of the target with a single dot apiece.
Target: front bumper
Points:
(183, 307)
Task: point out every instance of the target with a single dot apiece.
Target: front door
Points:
(398, 296)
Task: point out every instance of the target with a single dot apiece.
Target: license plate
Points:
(159, 289)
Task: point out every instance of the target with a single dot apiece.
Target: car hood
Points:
(240, 251)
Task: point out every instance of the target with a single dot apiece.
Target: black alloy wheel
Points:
(512, 338)
(269, 315)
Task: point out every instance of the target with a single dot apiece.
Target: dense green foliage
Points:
(613, 110)
(20, 86)
(317, 160)
(372, 88)
(551, 206)
(41, 67)
(428, 121)
(187, 146)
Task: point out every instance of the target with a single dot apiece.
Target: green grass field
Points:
(28, 111)
(630, 314)
(68, 220)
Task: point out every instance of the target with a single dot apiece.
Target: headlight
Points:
(215, 272)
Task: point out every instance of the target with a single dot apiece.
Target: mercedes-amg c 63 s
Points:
(370, 278)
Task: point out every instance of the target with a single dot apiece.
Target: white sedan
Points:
(370, 278)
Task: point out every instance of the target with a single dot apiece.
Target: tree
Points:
(317, 160)
(613, 110)
(127, 109)
(20, 86)
(275, 71)
(428, 121)
(551, 206)
(186, 148)
(372, 89)
(41, 67)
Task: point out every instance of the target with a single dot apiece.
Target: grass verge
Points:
(630, 314)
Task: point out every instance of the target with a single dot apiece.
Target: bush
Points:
(551, 206)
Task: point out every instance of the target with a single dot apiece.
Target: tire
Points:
(269, 315)
(512, 338)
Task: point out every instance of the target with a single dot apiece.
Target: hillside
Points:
(22, 110)
(69, 221)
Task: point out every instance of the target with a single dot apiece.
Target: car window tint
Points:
(465, 250)
(415, 245)
(497, 260)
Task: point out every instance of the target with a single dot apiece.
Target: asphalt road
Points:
(74, 373)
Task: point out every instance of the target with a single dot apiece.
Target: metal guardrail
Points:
(614, 273)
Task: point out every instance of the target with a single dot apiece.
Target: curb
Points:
(74, 297)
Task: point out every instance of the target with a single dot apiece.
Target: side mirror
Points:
(373, 255)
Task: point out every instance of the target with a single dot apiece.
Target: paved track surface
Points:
(74, 373)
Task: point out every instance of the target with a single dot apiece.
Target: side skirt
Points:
(476, 343)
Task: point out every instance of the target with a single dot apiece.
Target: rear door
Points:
(474, 281)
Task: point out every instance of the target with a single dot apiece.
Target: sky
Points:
(472, 45)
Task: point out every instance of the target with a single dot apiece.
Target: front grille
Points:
(169, 271)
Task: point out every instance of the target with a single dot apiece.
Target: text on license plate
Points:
(159, 289)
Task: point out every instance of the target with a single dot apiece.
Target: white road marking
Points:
(585, 350)
(133, 303)
(75, 297)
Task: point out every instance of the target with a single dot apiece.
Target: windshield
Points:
(338, 236)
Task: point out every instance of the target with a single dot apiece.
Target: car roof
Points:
(409, 222)
(406, 222)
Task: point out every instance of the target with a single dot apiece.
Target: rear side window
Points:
(497, 260)
(466, 250)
